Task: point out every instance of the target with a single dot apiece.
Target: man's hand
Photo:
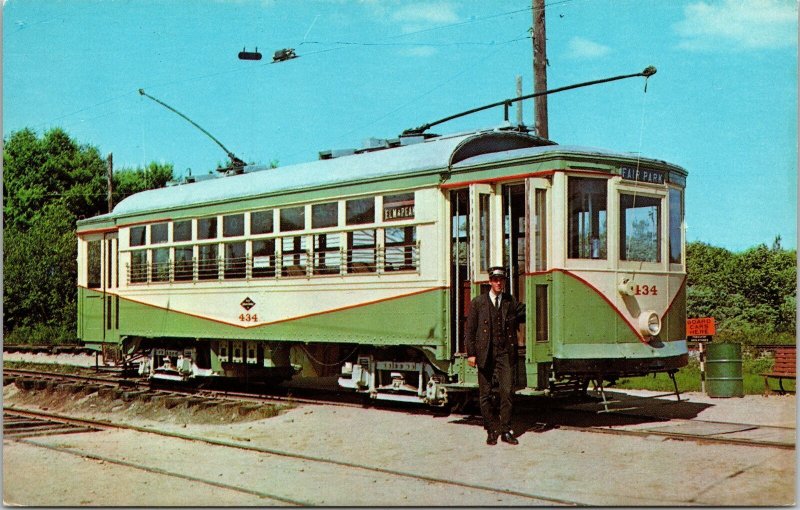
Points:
(471, 361)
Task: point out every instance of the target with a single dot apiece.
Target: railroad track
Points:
(173, 391)
(699, 431)
(533, 499)
(22, 425)
(707, 432)
(19, 425)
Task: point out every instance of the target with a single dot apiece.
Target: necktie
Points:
(497, 302)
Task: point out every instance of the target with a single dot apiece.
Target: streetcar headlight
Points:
(649, 323)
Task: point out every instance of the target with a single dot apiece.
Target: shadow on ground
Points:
(542, 414)
(534, 414)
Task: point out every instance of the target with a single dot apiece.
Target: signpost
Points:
(701, 330)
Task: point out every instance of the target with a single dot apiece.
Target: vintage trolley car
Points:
(362, 264)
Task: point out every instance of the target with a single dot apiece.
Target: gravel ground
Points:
(78, 360)
(568, 465)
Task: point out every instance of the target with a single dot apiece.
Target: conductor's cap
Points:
(497, 272)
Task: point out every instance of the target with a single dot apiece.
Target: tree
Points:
(128, 181)
(37, 291)
(50, 182)
(752, 294)
(53, 169)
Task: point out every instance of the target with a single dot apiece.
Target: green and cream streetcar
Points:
(369, 258)
(362, 264)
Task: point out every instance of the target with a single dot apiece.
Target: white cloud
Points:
(738, 24)
(418, 51)
(582, 48)
(433, 13)
(421, 16)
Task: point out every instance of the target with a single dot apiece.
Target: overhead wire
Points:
(340, 46)
(479, 20)
(439, 85)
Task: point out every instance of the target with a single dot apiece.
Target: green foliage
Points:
(130, 181)
(53, 169)
(36, 263)
(49, 183)
(688, 378)
(752, 294)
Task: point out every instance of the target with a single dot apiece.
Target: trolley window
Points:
(484, 233)
(184, 269)
(93, 265)
(235, 261)
(138, 266)
(400, 249)
(542, 314)
(640, 228)
(588, 213)
(361, 251)
(233, 225)
(264, 258)
(675, 222)
(207, 268)
(182, 231)
(159, 233)
(261, 222)
(325, 215)
(327, 253)
(137, 236)
(207, 228)
(360, 211)
(540, 230)
(293, 218)
(160, 269)
(398, 207)
(294, 256)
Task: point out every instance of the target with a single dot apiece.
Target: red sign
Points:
(703, 326)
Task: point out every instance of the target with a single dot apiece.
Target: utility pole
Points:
(539, 68)
(110, 176)
(519, 103)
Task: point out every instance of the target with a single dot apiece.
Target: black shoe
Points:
(492, 438)
(507, 437)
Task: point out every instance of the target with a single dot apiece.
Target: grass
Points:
(688, 378)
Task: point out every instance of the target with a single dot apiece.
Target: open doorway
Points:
(459, 267)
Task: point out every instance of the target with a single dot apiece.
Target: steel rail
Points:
(72, 377)
(201, 392)
(289, 399)
(246, 397)
(163, 472)
(688, 437)
(301, 456)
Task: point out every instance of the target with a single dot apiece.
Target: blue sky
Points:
(723, 104)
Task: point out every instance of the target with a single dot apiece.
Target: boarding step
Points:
(568, 387)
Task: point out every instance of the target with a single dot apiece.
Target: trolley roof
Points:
(430, 155)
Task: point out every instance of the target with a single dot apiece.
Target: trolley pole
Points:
(540, 68)
(110, 177)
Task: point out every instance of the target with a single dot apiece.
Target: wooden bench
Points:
(784, 367)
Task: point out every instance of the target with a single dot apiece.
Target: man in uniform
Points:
(491, 345)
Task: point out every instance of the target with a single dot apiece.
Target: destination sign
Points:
(642, 175)
(398, 212)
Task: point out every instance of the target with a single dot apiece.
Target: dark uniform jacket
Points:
(479, 330)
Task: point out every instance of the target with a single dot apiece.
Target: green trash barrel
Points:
(724, 370)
